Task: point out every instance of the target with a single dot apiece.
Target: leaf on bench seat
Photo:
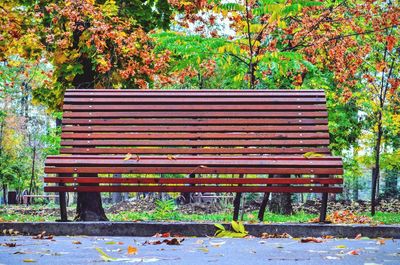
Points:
(312, 155)
(129, 156)
(171, 157)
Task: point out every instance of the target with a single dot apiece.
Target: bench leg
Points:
(263, 205)
(63, 201)
(324, 204)
(236, 202)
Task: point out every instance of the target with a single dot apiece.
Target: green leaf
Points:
(220, 227)
(104, 256)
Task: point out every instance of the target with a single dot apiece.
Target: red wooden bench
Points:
(207, 133)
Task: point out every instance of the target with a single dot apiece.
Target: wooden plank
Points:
(193, 93)
(174, 106)
(246, 181)
(211, 128)
(236, 142)
(111, 101)
(198, 136)
(194, 162)
(191, 170)
(201, 158)
(196, 114)
(290, 150)
(197, 121)
(194, 107)
(298, 189)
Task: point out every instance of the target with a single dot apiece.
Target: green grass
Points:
(386, 218)
(220, 217)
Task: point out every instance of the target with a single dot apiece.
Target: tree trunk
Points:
(5, 193)
(89, 206)
(281, 203)
(116, 196)
(376, 171)
(32, 173)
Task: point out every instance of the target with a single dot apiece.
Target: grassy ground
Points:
(8, 216)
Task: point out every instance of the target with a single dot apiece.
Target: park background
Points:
(350, 49)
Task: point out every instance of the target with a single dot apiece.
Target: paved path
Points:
(82, 250)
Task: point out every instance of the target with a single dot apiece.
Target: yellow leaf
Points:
(341, 246)
(312, 154)
(132, 250)
(171, 157)
(128, 156)
(29, 260)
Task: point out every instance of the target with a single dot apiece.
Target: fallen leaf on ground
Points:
(341, 246)
(43, 236)
(76, 242)
(162, 234)
(328, 237)
(20, 252)
(132, 250)
(345, 217)
(284, 235)
(311, 239)
(380, 242)
(354, 252)
(10, 245)
(173, 241)
(29, 260)
(108, 258)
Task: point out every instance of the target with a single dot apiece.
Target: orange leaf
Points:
(132, 250)
(354, 252)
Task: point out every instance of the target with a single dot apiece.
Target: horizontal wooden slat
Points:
(190, 170)
(211, 128)
(120, 136)
(191, 93)
(192, 107)
(241, 151)
(236, 142)
(196, 114)
(110, 101)
(208, 181)
(193, 162)
(298, 189)
(197, 121)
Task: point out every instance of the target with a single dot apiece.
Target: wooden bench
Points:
(206, 132)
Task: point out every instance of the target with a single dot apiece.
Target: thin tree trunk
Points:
(376, 172)
(32, 173)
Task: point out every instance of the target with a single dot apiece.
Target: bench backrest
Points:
(225, 122)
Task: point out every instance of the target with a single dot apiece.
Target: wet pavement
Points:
(97, 250)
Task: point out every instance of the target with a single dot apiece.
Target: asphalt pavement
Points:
(67, 250)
